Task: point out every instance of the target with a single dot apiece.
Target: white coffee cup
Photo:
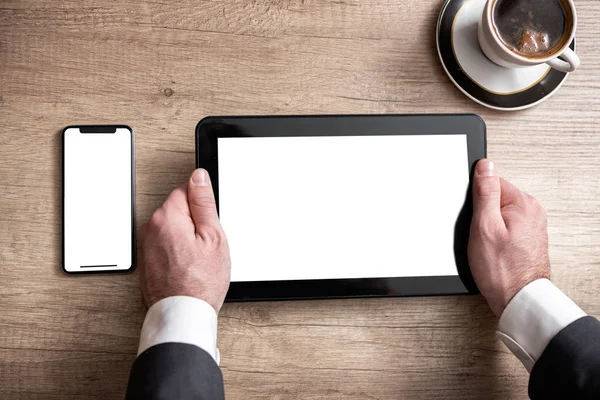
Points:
(498, 52)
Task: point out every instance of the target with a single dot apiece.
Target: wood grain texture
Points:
(160, 66)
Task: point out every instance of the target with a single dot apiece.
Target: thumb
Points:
(201, 200)
(486, 192)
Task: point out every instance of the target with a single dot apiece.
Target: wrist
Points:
(505, 294)
(150, 300)
(499, 302)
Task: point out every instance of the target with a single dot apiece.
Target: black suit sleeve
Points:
(175, 371)
(569, 367)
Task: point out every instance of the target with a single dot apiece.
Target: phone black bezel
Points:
(100, 129)
(209, 129)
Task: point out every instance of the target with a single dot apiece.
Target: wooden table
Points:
(160, 66)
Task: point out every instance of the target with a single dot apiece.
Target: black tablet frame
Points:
(210, 129)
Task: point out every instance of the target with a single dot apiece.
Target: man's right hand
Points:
(508, 244)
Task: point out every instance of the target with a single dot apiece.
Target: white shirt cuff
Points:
(181, 319)
(533, 317)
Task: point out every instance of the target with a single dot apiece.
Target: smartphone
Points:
(98, 199)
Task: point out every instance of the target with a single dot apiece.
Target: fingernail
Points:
(200, 178)
(485, 168)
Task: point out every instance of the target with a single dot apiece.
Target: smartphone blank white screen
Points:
(97, 201)
(338, 207)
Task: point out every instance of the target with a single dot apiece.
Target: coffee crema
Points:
(532, 28)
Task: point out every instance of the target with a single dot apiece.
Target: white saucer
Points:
(475, 75)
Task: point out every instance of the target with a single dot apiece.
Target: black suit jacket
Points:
(569, 367)
(175, 371)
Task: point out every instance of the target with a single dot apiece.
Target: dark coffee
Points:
(530, 27)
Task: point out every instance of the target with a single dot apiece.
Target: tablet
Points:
(344, 206)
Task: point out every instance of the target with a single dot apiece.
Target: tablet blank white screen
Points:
(341, 206)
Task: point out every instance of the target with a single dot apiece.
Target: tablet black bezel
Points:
(210, 129)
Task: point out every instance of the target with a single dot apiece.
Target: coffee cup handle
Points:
(571, 63)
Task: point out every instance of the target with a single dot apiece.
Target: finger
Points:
(179, 199)
(486, 193)
(510, 194)
(201, 201)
